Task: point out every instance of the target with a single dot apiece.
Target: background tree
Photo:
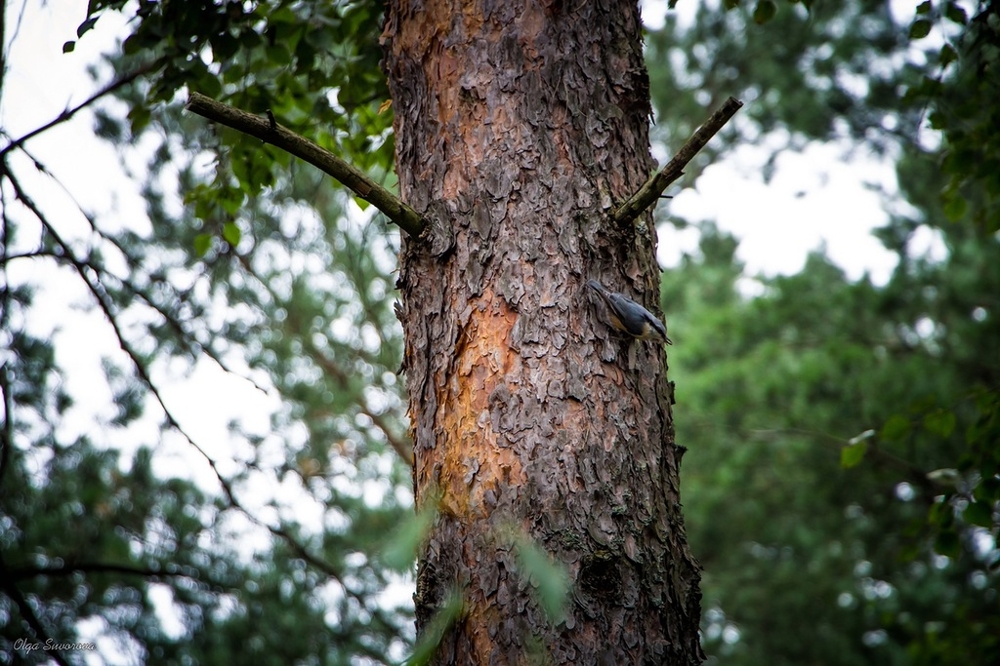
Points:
(181, 295)
(894, 558)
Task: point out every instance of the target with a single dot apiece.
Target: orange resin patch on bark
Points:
(476, 460)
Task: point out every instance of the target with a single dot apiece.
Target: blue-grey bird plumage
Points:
(629, 317)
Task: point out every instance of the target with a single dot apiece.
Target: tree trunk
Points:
(518, 126)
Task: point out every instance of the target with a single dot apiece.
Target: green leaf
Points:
(545, 575)
(68, 47)
(230, 198)
(920, 29)
(948, 55)
(730, 4)
(764, 12)
(954, 206)
(955, 13)
(283, 14)
(279, 54)
(202, 244)
(988, 490)
(86, 26)
(401, 551)
(924, 8)
(978, 513)
(947, 544)
(895, 428)
(231, 232)
(940, 422)
(852, 454)
(320, 38)
(209, 85)
(132, 44)
(139, 118)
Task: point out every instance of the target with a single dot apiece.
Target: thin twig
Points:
(650, 192)
(69, 113)
(176, 324)
(147, 381)
(402, 445)
(401, 214)
(3, 42)
(86, 214)
(17, 573)
(28, 613)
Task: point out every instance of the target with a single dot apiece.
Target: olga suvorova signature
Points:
(49, 644)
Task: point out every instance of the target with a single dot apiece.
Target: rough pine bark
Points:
(519, 125)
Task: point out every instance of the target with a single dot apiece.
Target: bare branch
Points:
(28, 613)
(271, 132)
(69, 113)
(147, 381)
(17, 573)
(650, 192)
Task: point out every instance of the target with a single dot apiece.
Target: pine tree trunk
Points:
(518, 126)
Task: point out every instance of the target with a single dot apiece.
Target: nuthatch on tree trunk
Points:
(629, 317)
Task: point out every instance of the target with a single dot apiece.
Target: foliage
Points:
(314, 66)
(251, 263)
(960, 106)
(893, 556)
(769, 389)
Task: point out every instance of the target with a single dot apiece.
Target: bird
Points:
(629, 317)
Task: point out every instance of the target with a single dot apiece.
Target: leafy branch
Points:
(401, 444)
(21, 572)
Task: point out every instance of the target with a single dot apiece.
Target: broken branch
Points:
(271, 132)
(650, 192)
